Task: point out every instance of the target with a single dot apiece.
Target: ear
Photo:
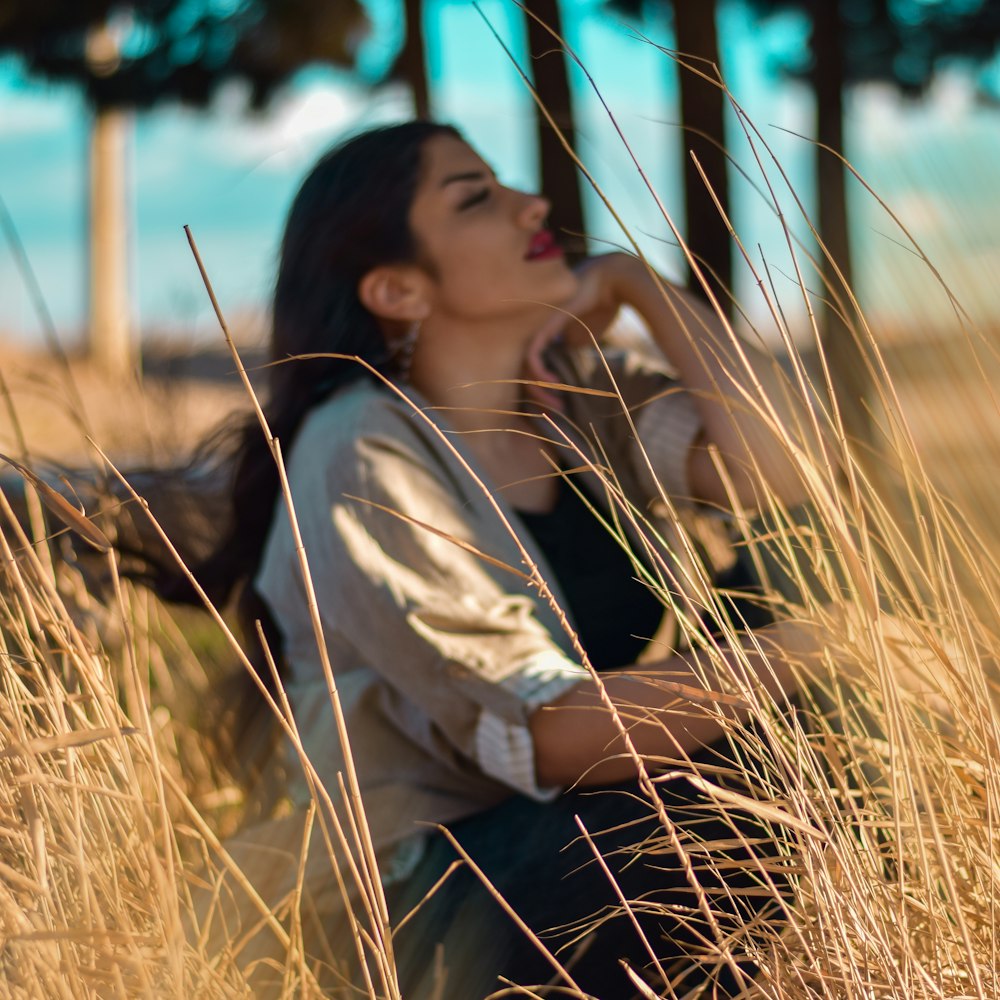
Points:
(395, 292)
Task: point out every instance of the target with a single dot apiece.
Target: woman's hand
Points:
(599, 296)
(584, 319)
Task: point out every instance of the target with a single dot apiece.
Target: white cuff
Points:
(667, 427)
(505, 751)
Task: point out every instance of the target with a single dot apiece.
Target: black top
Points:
(614, 614)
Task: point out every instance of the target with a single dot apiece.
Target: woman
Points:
(465, 698)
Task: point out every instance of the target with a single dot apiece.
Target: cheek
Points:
(467, 277)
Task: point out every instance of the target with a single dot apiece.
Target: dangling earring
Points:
(403, 348)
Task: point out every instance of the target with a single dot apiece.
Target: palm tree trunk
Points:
(702, 105)
(560, 181)
(412, 61)
(109, 340)
(110, 337)
(845, 355)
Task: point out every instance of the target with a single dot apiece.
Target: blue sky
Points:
(231, 176)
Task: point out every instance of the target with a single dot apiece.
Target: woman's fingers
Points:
(537, 369)
(589, 312)
(577, 323)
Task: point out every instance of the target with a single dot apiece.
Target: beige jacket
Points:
(439, 653)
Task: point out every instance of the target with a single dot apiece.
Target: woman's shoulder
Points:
(358, 412)
(364, 429)
(619, 378)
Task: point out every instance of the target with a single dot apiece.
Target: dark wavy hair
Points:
(351, 214)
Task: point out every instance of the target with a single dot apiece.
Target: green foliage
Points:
(902, 42)
(178, 49)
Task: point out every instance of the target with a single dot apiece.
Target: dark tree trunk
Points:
(845, 355)
(560, 180)
(411, 64)
(828, 83)
(703, 120)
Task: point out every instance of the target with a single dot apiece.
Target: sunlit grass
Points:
(875, 797)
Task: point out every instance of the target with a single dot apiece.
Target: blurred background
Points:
(148, 116)
(121, 123)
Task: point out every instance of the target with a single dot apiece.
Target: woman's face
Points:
(485, 246)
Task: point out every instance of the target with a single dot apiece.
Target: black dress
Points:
(533, 853)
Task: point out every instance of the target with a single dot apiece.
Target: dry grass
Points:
(879, 795)
(93, 838)
(147, 420)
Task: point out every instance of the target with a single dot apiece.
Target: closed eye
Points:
(476, 198)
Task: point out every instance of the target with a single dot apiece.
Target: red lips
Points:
(543, 246)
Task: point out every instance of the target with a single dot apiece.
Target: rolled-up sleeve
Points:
(668, 427)
(663, 425)
(505, 750)
(455, 638)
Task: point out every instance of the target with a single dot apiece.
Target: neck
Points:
(470, 370)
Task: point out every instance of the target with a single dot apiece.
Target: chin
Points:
(566, 288)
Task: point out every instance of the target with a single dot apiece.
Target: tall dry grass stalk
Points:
(96, 821)
(874, 798)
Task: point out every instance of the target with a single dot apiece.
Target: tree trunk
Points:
(560, 181)
(703, 107)
(412, 61)
(844, 353)
(109, 340)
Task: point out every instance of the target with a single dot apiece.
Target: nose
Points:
(534, 209)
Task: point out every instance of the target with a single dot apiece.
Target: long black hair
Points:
(351, 214)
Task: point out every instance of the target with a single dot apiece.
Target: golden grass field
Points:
(882, 806)
(122, 873)
(183, 393)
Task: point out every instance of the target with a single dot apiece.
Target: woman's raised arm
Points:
(718, 372)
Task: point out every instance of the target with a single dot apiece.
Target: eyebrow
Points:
(471, 175)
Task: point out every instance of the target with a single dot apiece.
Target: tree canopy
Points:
(902, 42)
(183, 49)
